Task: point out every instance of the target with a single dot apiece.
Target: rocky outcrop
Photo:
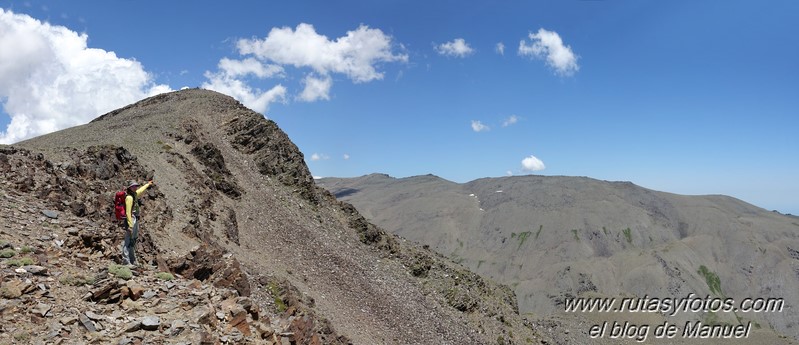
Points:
(207, 263)
(274, 153)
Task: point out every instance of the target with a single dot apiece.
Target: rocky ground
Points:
(60, 284)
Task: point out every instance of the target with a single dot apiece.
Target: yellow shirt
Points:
(129, 202)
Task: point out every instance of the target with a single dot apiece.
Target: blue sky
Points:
(690, 97)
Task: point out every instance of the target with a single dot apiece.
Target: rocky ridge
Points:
(229, 185)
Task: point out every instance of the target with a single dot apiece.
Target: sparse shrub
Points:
(164, 276)
(7, 253)
(712, 280)
(628, 234)
(120, 271)
(276, 292)
(9, 292)
(22, 337)
(26, 250)
(523, 237)
(500, 340)
(576, 237)
(21, 262)
(605, 230)
(166, 147)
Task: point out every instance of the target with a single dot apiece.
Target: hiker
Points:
(131, 221)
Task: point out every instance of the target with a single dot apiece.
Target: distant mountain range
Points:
(556, 237)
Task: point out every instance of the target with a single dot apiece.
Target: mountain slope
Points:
(557, 237)
(229, 182)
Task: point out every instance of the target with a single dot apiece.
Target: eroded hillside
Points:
(234, 213)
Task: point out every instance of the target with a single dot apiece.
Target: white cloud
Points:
(456, 48)
(511, 120)
(316, 88)
(548, 45)
(478, 126)
(236, 68)
(50, 79)
(253, 98)
(229, 79)
(317, 156)
(346, 157)
(532, 163)
(354, 55)
(509, 173)
(500, 48)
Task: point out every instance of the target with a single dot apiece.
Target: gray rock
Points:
(55, 330)
(236, 336)
(50, 214)
(177, 327)
(95, 317)
(68, 320)
(149, 294)
(151, 323)
(36, 270)
(42, 309)
(132, 326)
(87, 323)
(125, 341)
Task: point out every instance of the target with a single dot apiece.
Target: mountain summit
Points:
(236, 217)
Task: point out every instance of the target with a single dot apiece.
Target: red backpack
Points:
(119, 205)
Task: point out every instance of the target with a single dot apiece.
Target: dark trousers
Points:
(129, 246)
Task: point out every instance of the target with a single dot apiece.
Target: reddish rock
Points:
(239, 321)
(136, 291)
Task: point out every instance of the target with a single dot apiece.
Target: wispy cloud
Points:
(346, 157)
(532, 163)
(318, 156)
(316, 88)
(500, 48)
(456, 48)
(549, 46)
(50, 79)
(478, 126)
(510, 120)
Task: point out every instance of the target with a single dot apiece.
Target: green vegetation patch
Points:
(576, 237)
(712, 280)
(26, 250)
(605, 230)
(76, 280)
(540, 227)
(276, 291)
(22, 337)
(523, 237)
(7, 253)
(164, 276)
(10, 292)
(628, 234)
(21, 262)
(120, 271)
